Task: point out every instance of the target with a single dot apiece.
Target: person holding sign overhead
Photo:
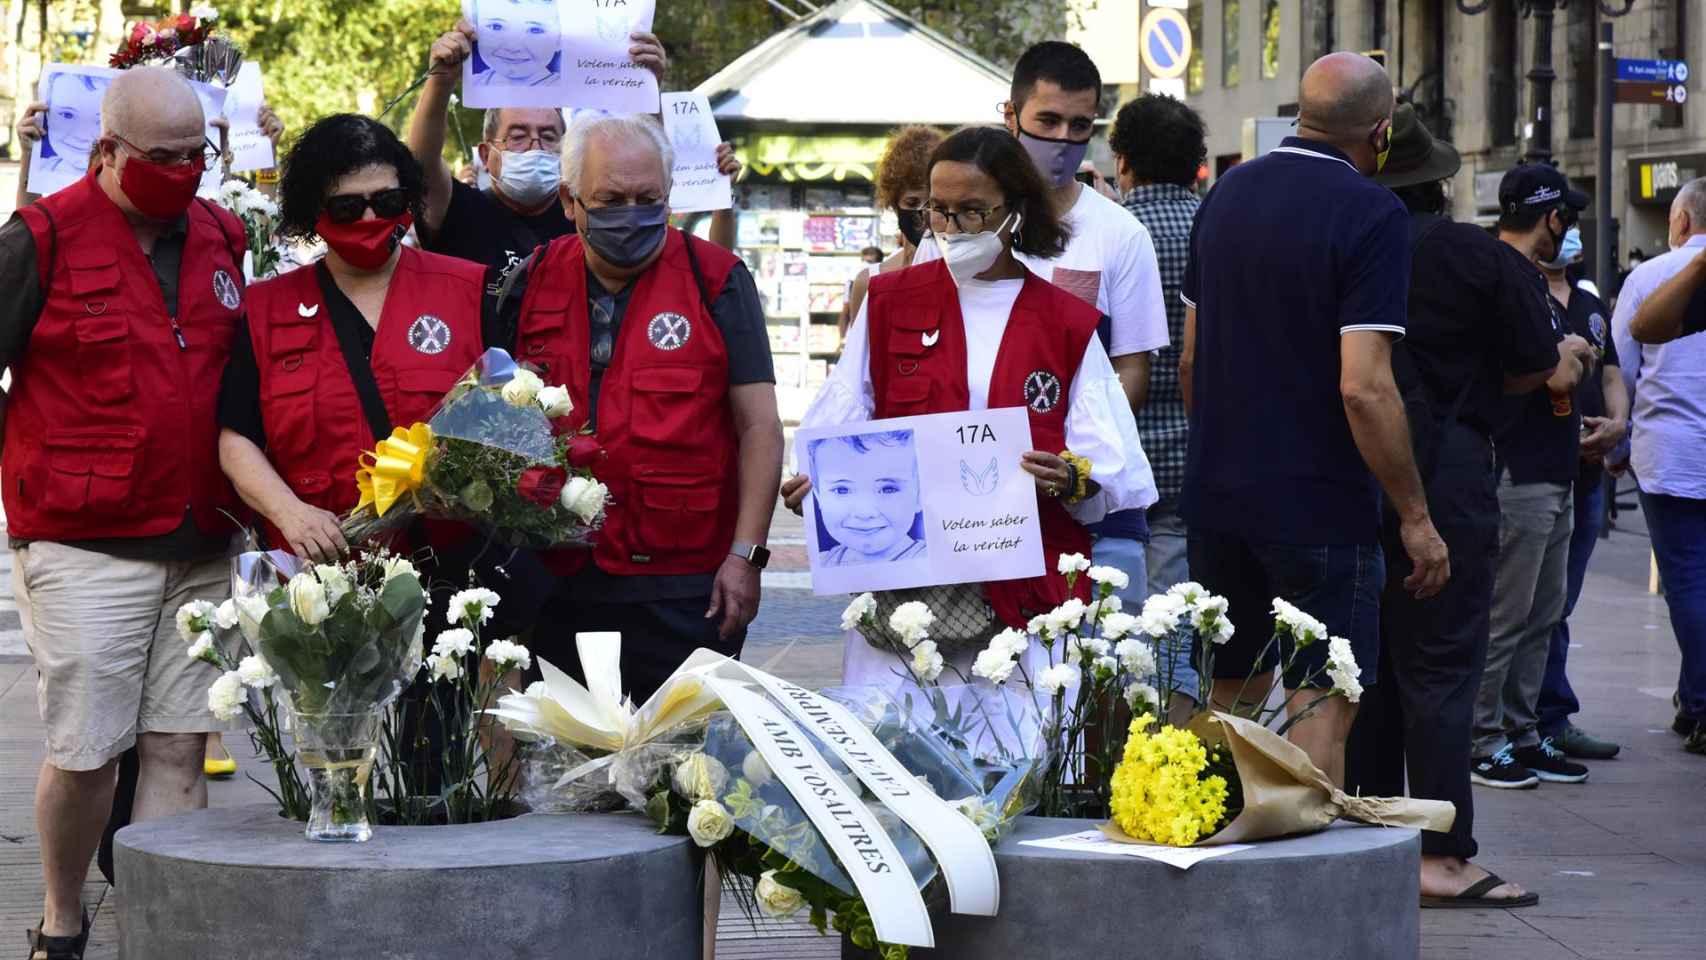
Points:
(976, 330)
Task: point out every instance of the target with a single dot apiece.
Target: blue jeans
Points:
(1678, 528)
(1557, 700)
(1130, 556)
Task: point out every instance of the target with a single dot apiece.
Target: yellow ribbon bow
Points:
(396, 466)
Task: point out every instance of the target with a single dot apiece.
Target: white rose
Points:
(473, 605)
(251, 610)
(755, 770)
(912, 621)
(225, 697)
(225, 615)
(927, 662)
(1071, 563)
(700, 777)
(335, 581)
(555, 401)
(456, 642)
(255, 672)
(308, 599)
(1111, 578)
(399, 567)
(192, 619)
(994, 664)
(202, 648)
(709, 823)
(1054, 680)
(1117, 625)
(864, 605)
(1137, 657)
(509, 655)
(522, 388)
(590, 502)
(777, 900)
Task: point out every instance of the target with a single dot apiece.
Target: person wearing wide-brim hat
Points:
(1477, 326)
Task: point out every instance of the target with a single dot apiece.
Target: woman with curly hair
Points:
(903, 184)
(369, 337)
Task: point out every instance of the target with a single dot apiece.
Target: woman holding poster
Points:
(976, 330)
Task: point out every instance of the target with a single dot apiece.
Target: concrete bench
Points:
(1347, 893)
(242, 882)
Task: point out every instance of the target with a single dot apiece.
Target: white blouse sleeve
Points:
(847, 396)
(1100, 428)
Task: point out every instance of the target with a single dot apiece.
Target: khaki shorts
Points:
(103, 632)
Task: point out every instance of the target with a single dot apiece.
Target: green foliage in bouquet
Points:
(340, 645)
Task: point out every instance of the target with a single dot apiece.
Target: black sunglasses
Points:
(349, 207)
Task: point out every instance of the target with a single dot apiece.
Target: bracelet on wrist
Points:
(1078, 477)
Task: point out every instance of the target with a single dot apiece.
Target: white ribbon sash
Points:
(967, 862)
(857, 839)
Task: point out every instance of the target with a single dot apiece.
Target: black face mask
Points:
(625, 236)
(911, 225)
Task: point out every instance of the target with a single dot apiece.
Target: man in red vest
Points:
(660, 340)
(124, 296)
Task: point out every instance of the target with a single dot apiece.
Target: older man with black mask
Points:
(1477, 328)
(661, 341)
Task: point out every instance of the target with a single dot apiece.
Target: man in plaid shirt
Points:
(1159, 144)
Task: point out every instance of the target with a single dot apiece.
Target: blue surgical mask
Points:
(531, 178)
(625, 236)
(1568, 250)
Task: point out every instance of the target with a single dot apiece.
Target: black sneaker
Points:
(1696, 742)
(1550, 764)
(1683, 726)
(1502, 771)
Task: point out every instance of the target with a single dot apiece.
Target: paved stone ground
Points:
(1620, 862)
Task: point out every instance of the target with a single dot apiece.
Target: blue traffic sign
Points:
(1652, 71)
(1165, 43)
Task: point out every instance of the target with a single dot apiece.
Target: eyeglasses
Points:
(520, 142)
(349, 207)
(967, 220)
(208, 155)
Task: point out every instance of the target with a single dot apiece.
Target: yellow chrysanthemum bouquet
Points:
(1170, 787)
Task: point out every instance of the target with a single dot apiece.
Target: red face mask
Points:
(364, 244)
(159, 190)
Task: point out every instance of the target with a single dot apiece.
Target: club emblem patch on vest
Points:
(428, 334)
(669, 331)
(226, 291)
(1596, 326)
(1042, 391)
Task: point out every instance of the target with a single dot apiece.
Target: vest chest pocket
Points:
(418, 394)
(908, 396)
(103, 354)
(665, 413)
(90, 473)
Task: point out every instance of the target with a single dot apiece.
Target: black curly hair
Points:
(999, 156)
(1161, 139)
(332, 148)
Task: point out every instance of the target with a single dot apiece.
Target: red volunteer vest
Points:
(111, 425)
(1040, 352)
(664, 418)
(428, 336)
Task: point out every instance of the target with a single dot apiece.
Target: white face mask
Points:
(969, 254)
(530, 178)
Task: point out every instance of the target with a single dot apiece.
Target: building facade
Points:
(1466, 73)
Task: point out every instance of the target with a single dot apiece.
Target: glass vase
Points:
(338, 751)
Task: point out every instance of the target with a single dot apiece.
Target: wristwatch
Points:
(754, 553)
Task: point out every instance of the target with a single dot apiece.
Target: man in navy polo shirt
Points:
(1296, 287)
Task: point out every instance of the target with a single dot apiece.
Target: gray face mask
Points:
(625, 236)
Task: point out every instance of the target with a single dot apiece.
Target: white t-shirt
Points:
(1109, 263)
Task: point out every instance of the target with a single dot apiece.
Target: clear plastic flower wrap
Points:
(499, 453)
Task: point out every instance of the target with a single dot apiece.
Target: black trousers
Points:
(657, 635)
(1416, 721)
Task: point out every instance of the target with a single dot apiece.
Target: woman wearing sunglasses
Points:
(368, 338)
(975, 330)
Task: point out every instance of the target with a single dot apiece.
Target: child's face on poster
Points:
(868, 500)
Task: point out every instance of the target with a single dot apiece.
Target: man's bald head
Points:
(1344, 94)
(152, 105)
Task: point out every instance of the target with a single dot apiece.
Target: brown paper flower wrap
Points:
(1284, 794)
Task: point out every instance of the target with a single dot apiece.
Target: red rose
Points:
(541, 485)
(584, 451)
